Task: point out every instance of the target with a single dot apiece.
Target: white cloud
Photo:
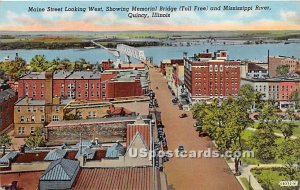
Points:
(245, 14)
(57, 15)
(290, 16)
(20, 19)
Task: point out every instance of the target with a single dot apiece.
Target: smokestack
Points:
(268, 57)
(206, 50)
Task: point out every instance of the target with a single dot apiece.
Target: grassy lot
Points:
(269, 178)
(296, 130)
(246, 183)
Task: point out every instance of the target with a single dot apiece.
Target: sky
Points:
(14, 16)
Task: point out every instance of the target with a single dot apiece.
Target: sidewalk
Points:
(277, 134)
(246, 172)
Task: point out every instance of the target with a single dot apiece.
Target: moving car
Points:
(180, 148)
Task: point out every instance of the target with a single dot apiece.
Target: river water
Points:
(158, 53)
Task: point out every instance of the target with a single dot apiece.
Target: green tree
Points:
(289, 152)
(5, 140)
(294, 99)
(283, 70)
(263, 144)
(225, 123)
(39, 63)
(35, 139)
(247, 95)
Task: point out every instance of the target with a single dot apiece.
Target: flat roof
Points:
(92, 121)
(31, 102)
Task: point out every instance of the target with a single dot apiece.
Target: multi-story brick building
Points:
(211, 75)
(7, 100)
(82, 85)
(276, 61)
(30, 114)
(278, 89)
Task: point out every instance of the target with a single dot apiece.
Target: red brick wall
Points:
(285, 90)
(34, 85)
(7, 112)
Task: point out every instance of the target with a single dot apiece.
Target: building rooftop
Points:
(115, 178)
(6, 94)
(55, 154)
(86, 151)
(92, 121)
(289, 78)
(32, 102)
(59, 170)
(255, 67)
(26, 180)
(115, 151)
(85, 75)
(35, 75)
(8, 157)
(142, 129)
(29, 157)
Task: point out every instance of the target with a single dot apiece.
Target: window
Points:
(92, 94)
(62, 93)
(29, 109)
(216, 68)
(42, 85)
(94, 114)
(92, 85)
(98, 85)
(21, 130)
(32, 118)
(42, 94)
(26, 85)
(80, 115)
(32, 129)
(19, 108)
(62, 85)
(57, 108)
(89, 114)
(86, 86)
(210, 68)
(97, 94)
(221, 68)
(79, 94)
(55, 118)
(42, 109)
(42, 118)
(34, 86)
(22, 119)
(86, 93)
(79, 85)
(103, 85)
(34, 109)
(103, 95)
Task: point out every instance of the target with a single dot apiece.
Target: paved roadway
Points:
(189, 173)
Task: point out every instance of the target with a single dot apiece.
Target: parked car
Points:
(180, 107)
(202, 134)
(183, 115)
(180, 148)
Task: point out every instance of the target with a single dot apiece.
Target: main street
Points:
(188, 173)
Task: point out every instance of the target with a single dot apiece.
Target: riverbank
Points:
(77, 40)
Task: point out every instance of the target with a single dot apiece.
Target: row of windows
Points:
(33, 86)
(72, 85)
(33, 108)
(21, 130)
(33, 120)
